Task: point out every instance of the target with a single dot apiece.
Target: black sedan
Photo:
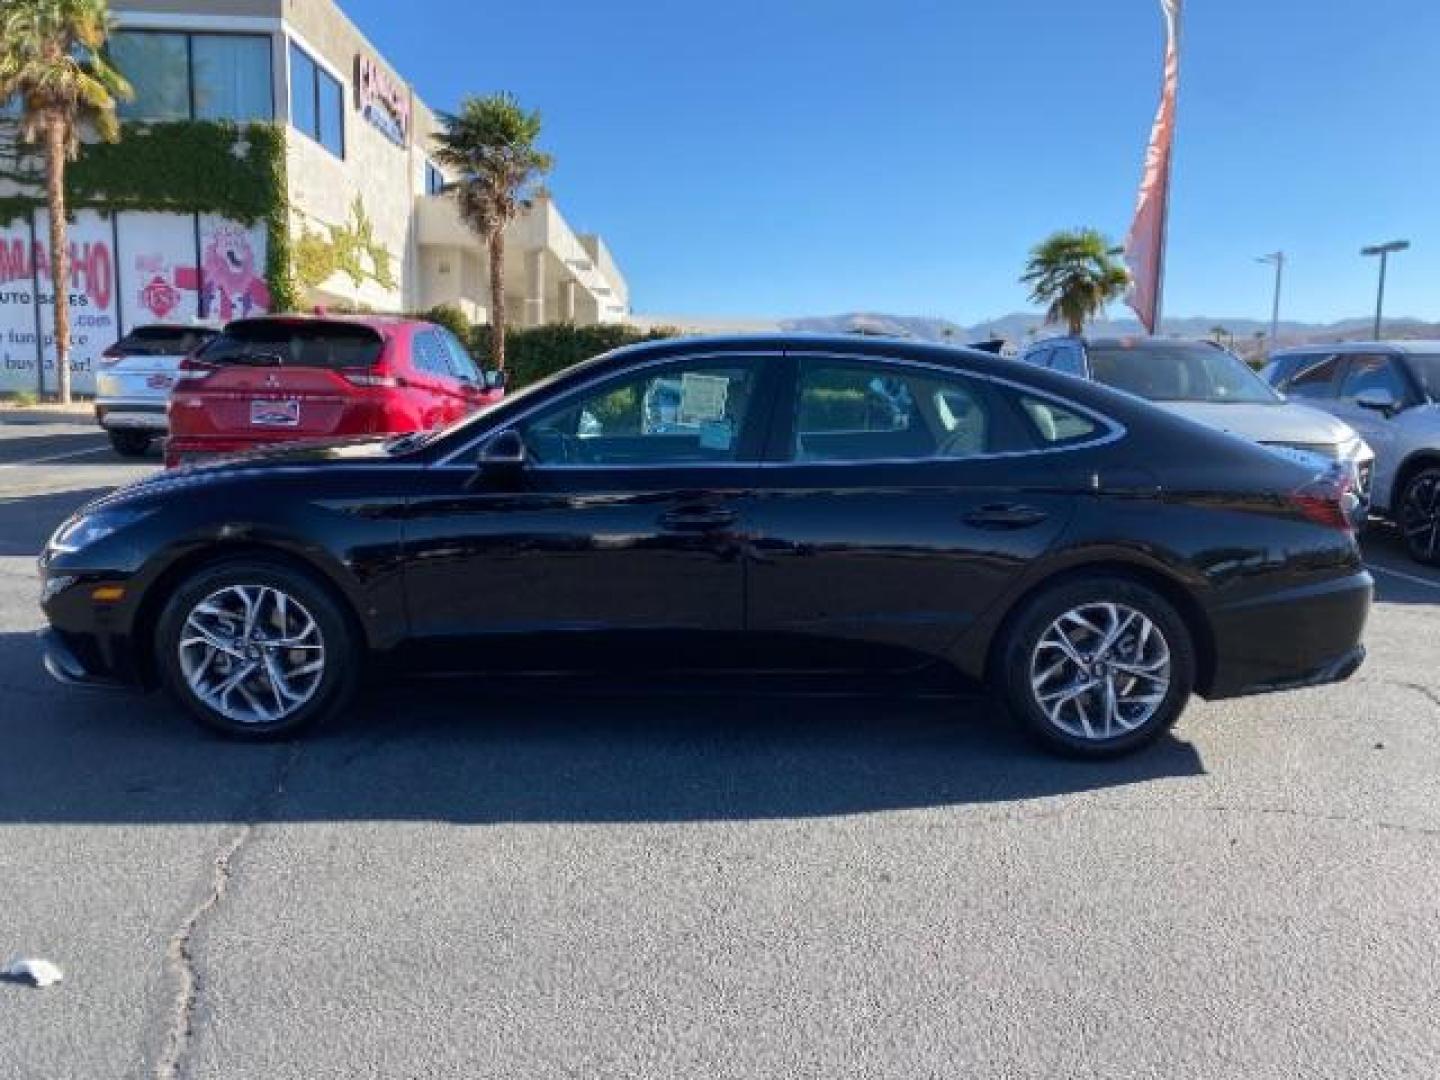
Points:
(786, 503)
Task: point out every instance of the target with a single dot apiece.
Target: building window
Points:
(434, 179)
(317, 102)
(232, 77)
(179, 76)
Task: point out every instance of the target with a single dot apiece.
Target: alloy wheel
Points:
(1100, 671)
(1420, 516)
(252, 653)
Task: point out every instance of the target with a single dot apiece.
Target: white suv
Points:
(1389, 391)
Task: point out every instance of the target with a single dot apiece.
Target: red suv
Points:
(282, 378)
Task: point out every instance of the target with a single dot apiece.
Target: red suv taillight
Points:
(192, 371)
(376, 376)
(1328, 500)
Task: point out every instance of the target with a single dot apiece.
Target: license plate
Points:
(275, 413)
(159, 382)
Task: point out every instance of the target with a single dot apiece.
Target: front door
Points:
(1376, 371)
(620, 542)
(901, 503)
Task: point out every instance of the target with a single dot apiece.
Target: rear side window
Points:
(161, 341)
(1056, 425)
(430, 354)
(1068, 361)
(314, 344)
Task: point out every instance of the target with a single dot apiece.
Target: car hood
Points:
(1266, 421)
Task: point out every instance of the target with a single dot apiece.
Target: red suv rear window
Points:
(312, 344)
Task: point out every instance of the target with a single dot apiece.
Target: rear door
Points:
(286, 378)
(900, 502)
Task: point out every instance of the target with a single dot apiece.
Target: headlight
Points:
(80, 532)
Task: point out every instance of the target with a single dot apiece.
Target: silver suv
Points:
(1389, 391)
(134, 380)
(1212, 386)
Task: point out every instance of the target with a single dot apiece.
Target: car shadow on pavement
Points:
(452, 751)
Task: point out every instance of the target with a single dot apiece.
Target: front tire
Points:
(1097, 667)
(1420, 516)
(257, 650)
(130, 443)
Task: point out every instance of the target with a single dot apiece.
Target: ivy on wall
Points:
(350, 248)
(188, 166)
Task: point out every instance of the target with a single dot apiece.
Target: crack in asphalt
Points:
(179, 958)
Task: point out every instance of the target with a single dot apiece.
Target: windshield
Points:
(1178, 371)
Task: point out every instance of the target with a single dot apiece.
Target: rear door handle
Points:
(698, 518)
(1005, 516)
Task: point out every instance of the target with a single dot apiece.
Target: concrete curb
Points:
(79, 415)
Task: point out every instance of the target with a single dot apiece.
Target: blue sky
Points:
(816, 156)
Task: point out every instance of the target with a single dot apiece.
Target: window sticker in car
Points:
(716, 435)
(702, 399)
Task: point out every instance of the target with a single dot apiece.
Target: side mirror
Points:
(501, 460)
(1378, 399)
(494, 379)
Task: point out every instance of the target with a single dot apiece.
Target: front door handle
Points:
(698, 518)
(1005, 516)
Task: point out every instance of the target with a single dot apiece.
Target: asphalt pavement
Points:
(543, 882)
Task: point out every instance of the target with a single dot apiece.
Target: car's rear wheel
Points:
(130, 443)
(1420, 516)
(1098, 667)
(257, 649)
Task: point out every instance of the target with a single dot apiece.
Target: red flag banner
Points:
(1145, 243)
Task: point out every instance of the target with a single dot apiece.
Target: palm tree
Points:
(490, 143)
(52, 60)
(1075, 274)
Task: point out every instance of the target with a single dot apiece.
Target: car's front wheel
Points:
(257, 649)
(1420, 516)
(130, 443)
(1097, 667)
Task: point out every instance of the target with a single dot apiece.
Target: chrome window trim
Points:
(1114, 430)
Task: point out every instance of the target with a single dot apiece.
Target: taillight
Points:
(193, 371)
(110, 356)
(1328, 500)
(369, 377)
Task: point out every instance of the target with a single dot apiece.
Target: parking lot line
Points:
(53, 457)
(1413, 579)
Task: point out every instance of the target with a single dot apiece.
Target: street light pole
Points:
(1278, 259)
(1384, 251)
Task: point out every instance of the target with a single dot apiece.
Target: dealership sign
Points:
(382, 100)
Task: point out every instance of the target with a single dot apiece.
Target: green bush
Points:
(450, 317)
(532, 353)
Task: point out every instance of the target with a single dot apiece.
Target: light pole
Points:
(1278, 259)
(1384, 251)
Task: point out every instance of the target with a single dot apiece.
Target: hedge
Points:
(534, 352)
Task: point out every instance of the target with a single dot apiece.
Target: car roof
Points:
(1420, 345)
(373, 322)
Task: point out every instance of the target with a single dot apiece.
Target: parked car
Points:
(829, 502)
(1390, 392)
(1211, 385)
(284, 378)
(134, 379)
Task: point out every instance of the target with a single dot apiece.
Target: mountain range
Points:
(1019, 327)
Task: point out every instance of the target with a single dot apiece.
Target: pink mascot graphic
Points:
(233, 288)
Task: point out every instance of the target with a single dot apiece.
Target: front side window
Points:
(1178, 371)
(461, 362)
(158, 68)
(682, 414)
(1314, 377)
(1374, 373)
(232, 77)
(1068, 361)
(317, 102)
(430, 354)
(1426, 367)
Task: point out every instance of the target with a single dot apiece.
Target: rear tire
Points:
(1419, 516)
(256, 649)
(1097, 667)
(130, 443)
